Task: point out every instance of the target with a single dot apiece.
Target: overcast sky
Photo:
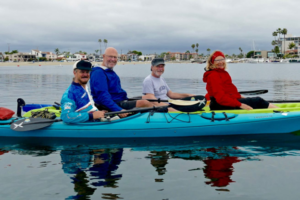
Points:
(144, 25)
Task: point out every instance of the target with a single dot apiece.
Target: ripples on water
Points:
(233, 167)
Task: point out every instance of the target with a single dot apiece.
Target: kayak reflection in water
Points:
(159, 159)
(2, 152)
(219, 165)
(222, 92)
(104, 163)
(77, 104)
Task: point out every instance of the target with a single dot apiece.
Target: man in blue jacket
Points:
(106, 86)
(77, 103)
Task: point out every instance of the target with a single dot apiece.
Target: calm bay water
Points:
(233, 167)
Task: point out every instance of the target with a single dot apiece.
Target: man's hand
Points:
(246, 107)
(123, 114)
(98, 114)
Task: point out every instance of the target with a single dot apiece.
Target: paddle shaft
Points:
(284, 101)
(134, 110)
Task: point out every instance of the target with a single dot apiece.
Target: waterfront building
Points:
(49, 55)
(37, 53)
(148, 57)
(80, 56)
(93, 57)
(1, 57)
(132, 57)
(180, 56)
(284, 44)
(128, 57)
(20, 57)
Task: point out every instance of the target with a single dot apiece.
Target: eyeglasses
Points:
(220, 60)
(112, 57)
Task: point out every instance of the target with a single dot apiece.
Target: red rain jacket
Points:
(219, 85)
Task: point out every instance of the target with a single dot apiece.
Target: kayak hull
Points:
(147, 126)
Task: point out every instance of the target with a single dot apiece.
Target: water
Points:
(233, 167)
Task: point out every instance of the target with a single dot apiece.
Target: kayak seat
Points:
(218, 116)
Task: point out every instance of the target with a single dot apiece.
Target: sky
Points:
(150, 26)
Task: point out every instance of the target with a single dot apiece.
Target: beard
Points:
(108, 65)
(157, 73)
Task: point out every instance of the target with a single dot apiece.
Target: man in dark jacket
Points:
(106, 86)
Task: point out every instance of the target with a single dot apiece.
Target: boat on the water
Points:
(151, 125)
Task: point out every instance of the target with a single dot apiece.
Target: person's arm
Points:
(68, 114)
(174, 95)
(221, 97)
(99, 90)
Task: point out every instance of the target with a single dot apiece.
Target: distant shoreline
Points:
(22, 64)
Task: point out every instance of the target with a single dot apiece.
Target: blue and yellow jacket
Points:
(106, 88)
(77, 104)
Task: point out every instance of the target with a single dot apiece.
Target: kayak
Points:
(283, 107)
(153, 125)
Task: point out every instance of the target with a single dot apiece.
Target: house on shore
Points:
(180, 56)
(1, 57)
(148, 57)
(37, 53)
(20, 57)
(128, 57)
(49, 56)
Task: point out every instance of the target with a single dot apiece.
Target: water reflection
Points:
(93, 165)
(91, 169)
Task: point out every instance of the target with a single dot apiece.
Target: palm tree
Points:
(187, 51)
(208, 50)
(275, 35)
(197, 52)
(276, 50)
(197, 45)
(105, 42)
(241, 50)
(56, 51)
(193, 46)
(279, 32)
(284, 32)
(97, 51)
(100, 46)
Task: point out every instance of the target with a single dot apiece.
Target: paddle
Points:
(184, 105)
(284, 101)
(254, 92)
(192, 98)
(30, 124)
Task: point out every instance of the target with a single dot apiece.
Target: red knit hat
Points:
(216, 54)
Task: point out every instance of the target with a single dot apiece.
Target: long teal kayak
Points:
(143, 125)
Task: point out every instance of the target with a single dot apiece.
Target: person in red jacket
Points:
(222, 92)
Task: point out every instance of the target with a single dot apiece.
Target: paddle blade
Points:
(30, 124)
(199, 103)
(194, 98)
(254, 92)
